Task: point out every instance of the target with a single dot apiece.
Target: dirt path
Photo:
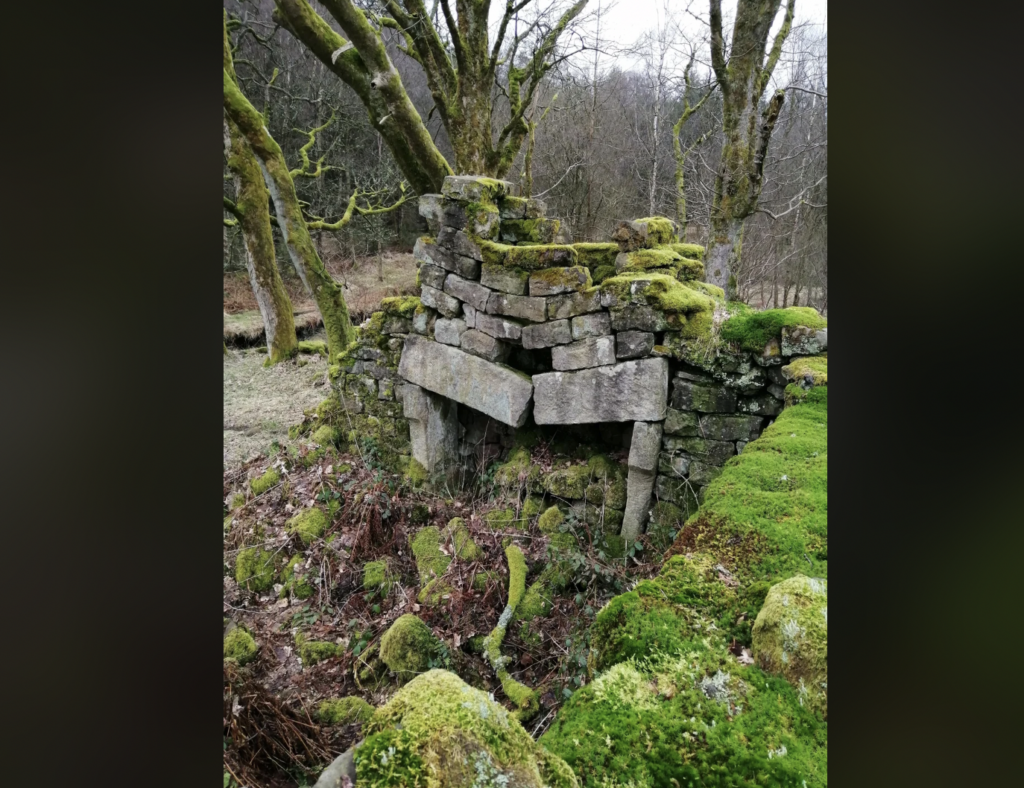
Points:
(260, 404)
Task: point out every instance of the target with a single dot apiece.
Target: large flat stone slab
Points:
(498, 391)
(630, 391)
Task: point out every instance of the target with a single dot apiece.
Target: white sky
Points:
(627, 20)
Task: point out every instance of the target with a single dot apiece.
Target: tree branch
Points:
(776, 51)
(718, 45)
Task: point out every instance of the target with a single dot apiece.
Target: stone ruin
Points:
(515, 328)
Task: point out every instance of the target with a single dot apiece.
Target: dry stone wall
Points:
(521, 329)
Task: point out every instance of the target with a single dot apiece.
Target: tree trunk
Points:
(253, 218)
(785, 293)
(742, 81)
(328, 294)
(724, 254)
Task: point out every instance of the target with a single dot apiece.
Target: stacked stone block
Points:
(514, 322)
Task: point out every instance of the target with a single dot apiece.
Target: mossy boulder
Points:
(790, 637)
(500, 519)
(752, 331)
(596, 255)
(344, 711)
(568, 483)
(426, 549)
(313, 651)
(308, 525)
(808, 371)
(239, 646)
(256, 569)
(438, 730)
(693, 251)
(694, 719)
(409, 647)
(263, 483)
(549, 521)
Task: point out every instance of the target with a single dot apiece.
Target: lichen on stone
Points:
(790, 637)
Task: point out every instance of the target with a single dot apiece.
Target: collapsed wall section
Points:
(514, 328)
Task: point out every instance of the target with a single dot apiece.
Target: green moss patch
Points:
(595, 256)
(409, 647)
(308, 525)
(400, 306)
(265, 482)
(344, 711)
(569, 483)
(462, 542)
(808, 370)
(663, 292)
(790, 637)
(529, 258)
(440, 726)
(751, 331)
(313, 651)
(239, 646)
(692, 251)
(426, 549)
(255, 569)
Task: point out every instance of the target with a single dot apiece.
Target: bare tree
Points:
(461, 65)
(742, 79)
(250, 209)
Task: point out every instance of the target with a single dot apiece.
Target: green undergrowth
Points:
(751, 331)
(670, 703)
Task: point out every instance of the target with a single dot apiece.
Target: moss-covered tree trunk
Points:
(251, 208)
(461, 74)
(328, 294)
(742, 80)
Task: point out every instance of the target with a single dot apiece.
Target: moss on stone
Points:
(693, 251)
(564, 277)
(462, 542)
(518, 470)
(426, 549)
(313, 347)
(659, 229)
(596, 256)
(326, 435)
(344, 711)
(536, 601)
(530, 258)
(808, 371)
(313, 651)
(649, 259)
(255, 569)
(603, 272)
(549, 522)
(712, 291)
(294, 580)
(308, 525)
(751, 331)
(400, 306)
(438, 725)
(265, 482)
(415, 473)
(377, 576)
(790, 637)
(569, 483)
(409, 647)
(239, 646)
(689, 720)
(663, 292)
(500, 519)
(532, 506)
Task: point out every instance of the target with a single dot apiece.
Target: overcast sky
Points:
(627, 20)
